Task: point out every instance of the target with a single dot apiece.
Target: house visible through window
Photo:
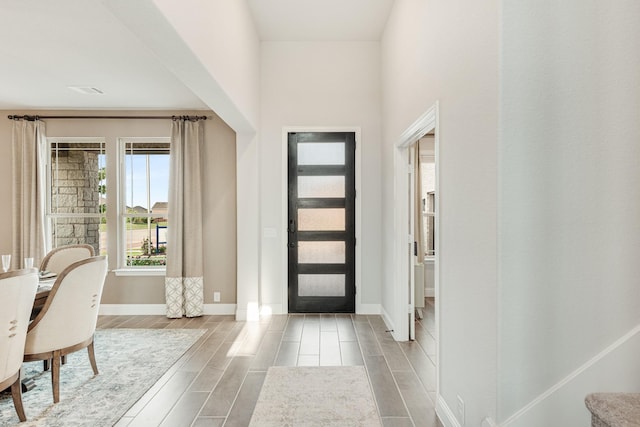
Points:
(145, 190)
(76, 201)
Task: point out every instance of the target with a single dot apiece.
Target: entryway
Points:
(321, 222)
(418, 151)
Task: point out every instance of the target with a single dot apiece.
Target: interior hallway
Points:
(217, 382)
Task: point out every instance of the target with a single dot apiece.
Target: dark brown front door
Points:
(321, 222)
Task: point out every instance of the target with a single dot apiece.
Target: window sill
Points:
(140, 272)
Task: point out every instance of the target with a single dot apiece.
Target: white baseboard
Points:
(445, 413)
(250, 314)
(158, 309)
(219, 309)
(241, 315)
(267, 309)
(368, 309)
(387, 320)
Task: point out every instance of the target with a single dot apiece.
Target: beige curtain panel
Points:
(29, 191)
(184, 282)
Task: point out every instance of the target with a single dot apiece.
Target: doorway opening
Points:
(417, 215)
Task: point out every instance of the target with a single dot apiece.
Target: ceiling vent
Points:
(87, 90)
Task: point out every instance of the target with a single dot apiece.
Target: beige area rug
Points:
(337, 396)
(130, 361)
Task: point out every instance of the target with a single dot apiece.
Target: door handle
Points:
(292, 230)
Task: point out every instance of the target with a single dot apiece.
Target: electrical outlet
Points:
(216, 296)
(460, 408)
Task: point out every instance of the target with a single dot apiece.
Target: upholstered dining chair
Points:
(17, 292)
(61, 257)
(68, 319)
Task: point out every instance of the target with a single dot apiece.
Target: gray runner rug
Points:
(324, 396)
(130, 361)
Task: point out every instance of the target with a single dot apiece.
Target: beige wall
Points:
(219, 199)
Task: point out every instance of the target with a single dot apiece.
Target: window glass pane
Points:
(146, 196)
(428, 171)
(75, 230)
(320, 186)
(78, 173)
(77, 186)
(146, 241)
(428, 176)
(429, 225)
(321, 285)
(146, 177)
(321, 153)
(321, 219)
(321, 252)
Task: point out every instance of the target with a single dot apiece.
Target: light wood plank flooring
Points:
(217, 381)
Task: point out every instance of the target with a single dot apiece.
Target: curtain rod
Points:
(36, 117)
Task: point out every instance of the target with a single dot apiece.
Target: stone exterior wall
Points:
(75, 190)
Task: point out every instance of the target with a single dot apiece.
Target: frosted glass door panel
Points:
(320, 186)
(321, 219)
(313, 153)
(321, 252)
(321, 285)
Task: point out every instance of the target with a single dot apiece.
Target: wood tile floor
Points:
(217, 381)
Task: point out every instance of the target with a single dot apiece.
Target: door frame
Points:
(284, 256)
(426, 123)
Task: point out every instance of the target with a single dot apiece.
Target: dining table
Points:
(45, 283)
(44, 287)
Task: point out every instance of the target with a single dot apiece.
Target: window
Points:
(76, 204)
(143, 207)
(428, 170)
(429, 218)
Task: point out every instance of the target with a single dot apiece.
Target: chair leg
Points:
(92, 358)
(64, 359)
(55, 376)
(16, 394)
(45, 365)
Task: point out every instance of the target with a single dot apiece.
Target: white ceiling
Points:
(51, 45)
(327, 20)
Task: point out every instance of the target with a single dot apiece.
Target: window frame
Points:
(122, 214)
